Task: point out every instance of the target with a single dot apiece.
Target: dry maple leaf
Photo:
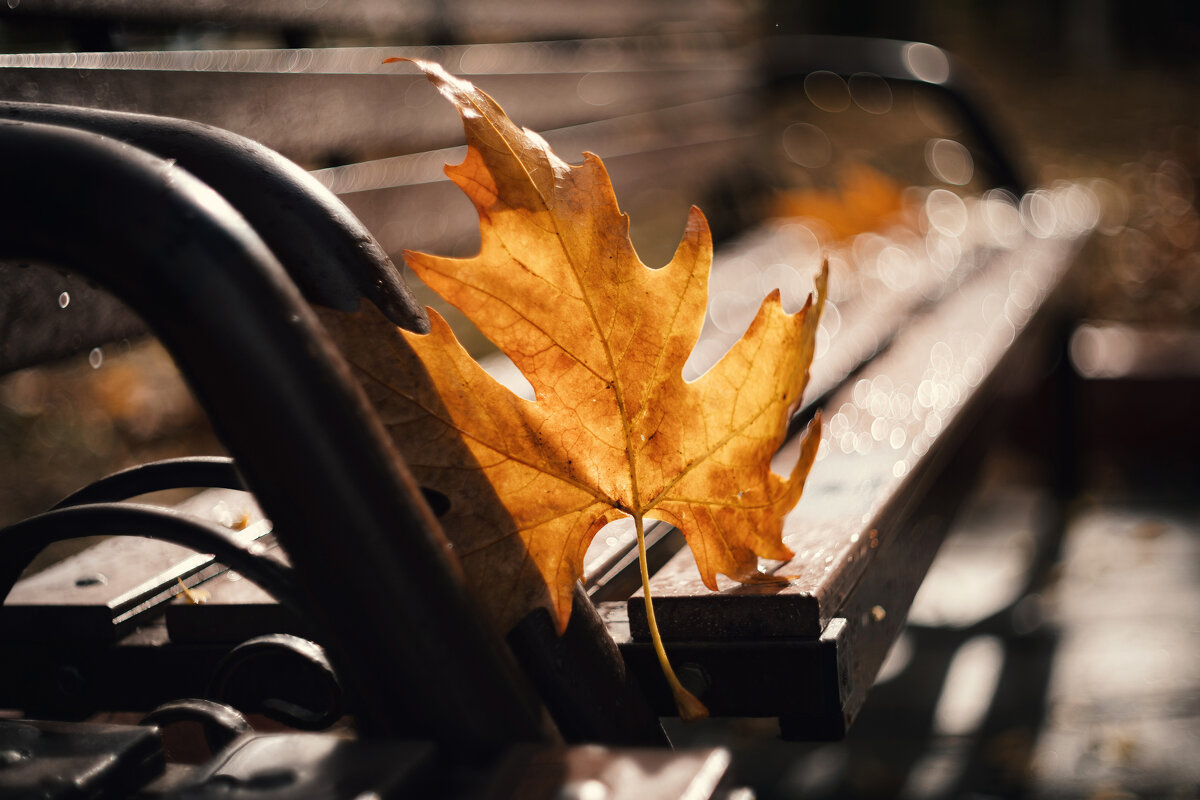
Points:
(865, 199)
(615, 430)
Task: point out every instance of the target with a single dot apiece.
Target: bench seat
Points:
(911, 383)
(903, 436)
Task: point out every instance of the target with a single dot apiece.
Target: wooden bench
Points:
(915, 360)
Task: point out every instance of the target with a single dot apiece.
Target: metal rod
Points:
(207, 472)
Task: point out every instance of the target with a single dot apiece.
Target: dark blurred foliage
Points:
(1060, 34)
(1079, 90)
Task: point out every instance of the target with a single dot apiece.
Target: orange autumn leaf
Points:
(615, 430)
(865, 200)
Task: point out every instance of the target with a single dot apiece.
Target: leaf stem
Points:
(690, 707)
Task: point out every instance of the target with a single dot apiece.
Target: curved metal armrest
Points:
(360, 537)
(327, 251)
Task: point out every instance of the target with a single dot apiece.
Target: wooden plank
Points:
(367, 109)
(861, 318)
(801, 679)
(233, 610)
(407, 203)
(884, 435)
(808, 651)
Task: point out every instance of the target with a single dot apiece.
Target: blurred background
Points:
(1091, 688)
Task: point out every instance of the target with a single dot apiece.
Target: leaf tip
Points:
(697, 227)
(708, 575)
(560, 608)
(822, 280)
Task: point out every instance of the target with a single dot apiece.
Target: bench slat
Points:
(436, 216)
(366, 109)
(867, 529)
(924, 388)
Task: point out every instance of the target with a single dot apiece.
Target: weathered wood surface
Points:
(675, 152)
(883, 429)
(896, 459)
(340, 105)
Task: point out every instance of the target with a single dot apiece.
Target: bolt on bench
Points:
(927, 331)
